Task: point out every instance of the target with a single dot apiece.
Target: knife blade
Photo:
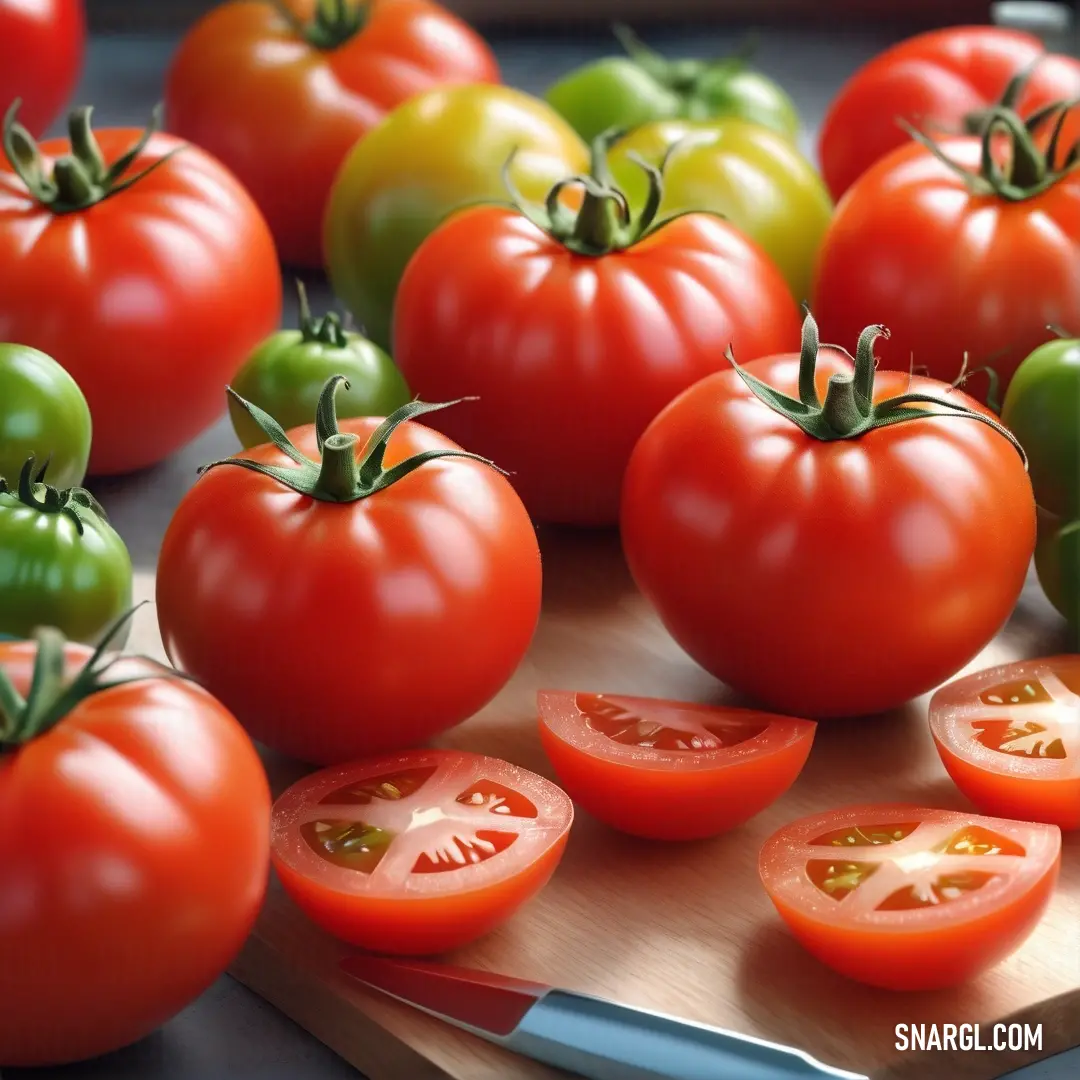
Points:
(593, 1037)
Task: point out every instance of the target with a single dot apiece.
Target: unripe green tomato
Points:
(625, 91)
(1057, 563)
(1042, 409)
(286, 374)
(61, 564)
(43, 415)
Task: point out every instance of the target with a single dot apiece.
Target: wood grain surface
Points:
(685, 929)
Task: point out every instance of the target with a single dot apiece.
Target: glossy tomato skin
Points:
(42, 43)
(285, 376)
(43, 415)
(440, 151)
(151, 299)
(911, 247)
(909, 946)
(825, 578)
(571, 356)
(1040, 409)
(141, 824)
(616, 92)
(401, 614)
(1009, 737)
(744, 761)
(934, 81)
(460, 897)
(54, 572)
(284, 114)
(1057, 563)
(746, 173)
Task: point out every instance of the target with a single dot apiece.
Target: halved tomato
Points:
(1009, 737)
(920, 900)
(419, 852)
(670, 770)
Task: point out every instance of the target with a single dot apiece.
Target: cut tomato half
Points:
(908, 898)
(1009, 737)
(420, 852)
(670, 770)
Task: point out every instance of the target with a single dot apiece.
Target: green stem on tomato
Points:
(52, 695)
(686, 77)
(338, 476)
(604, 222)
(34, 493)
(849, 410)
(1029, 171)
(328, 330)
(334, 23)
(79, 179)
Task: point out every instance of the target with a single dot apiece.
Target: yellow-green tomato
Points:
(61, 562)
(285, 376)
(749, 174)
(439, 151)
(43, 415)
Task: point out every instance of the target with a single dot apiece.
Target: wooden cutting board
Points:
(684, 929)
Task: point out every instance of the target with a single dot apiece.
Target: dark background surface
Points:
(110, 15)
(230, 1034)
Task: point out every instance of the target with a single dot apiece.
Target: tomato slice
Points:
(1009, 737)
(416, 853)
(669, 770)
(920, 900)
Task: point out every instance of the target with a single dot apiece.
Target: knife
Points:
(590, 1036)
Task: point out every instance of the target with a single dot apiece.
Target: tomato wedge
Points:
(416, 853)
(670, 770)
(1009, 737)
(923, 899)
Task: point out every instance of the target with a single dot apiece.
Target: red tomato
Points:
(940, 82)
(948, 270)
(826, 578)
(135, 856)
(420, 852)
(669, 770)
(924, 899)
(151, 297)
(42, 43)
(572, 355)
(1010, 738)
(336, 629)
(282, 105)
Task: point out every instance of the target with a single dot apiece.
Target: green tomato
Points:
(747, 173)
(1057, 563)
(286, 374)
(436, 153)
(1042, 409)
(61, 563)
(43, 415)
(623, 92)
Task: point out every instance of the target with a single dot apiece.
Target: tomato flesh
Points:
(921, 900)
(420, 852)
(1009, 737)
(670, 770)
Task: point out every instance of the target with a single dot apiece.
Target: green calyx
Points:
(334, 22)
(76, 504)
(328, 330)
(81, 178)
(692, 80)
(604, 222)
(849, 410)
(52, 696)
(1030, 170)
(338, 476)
